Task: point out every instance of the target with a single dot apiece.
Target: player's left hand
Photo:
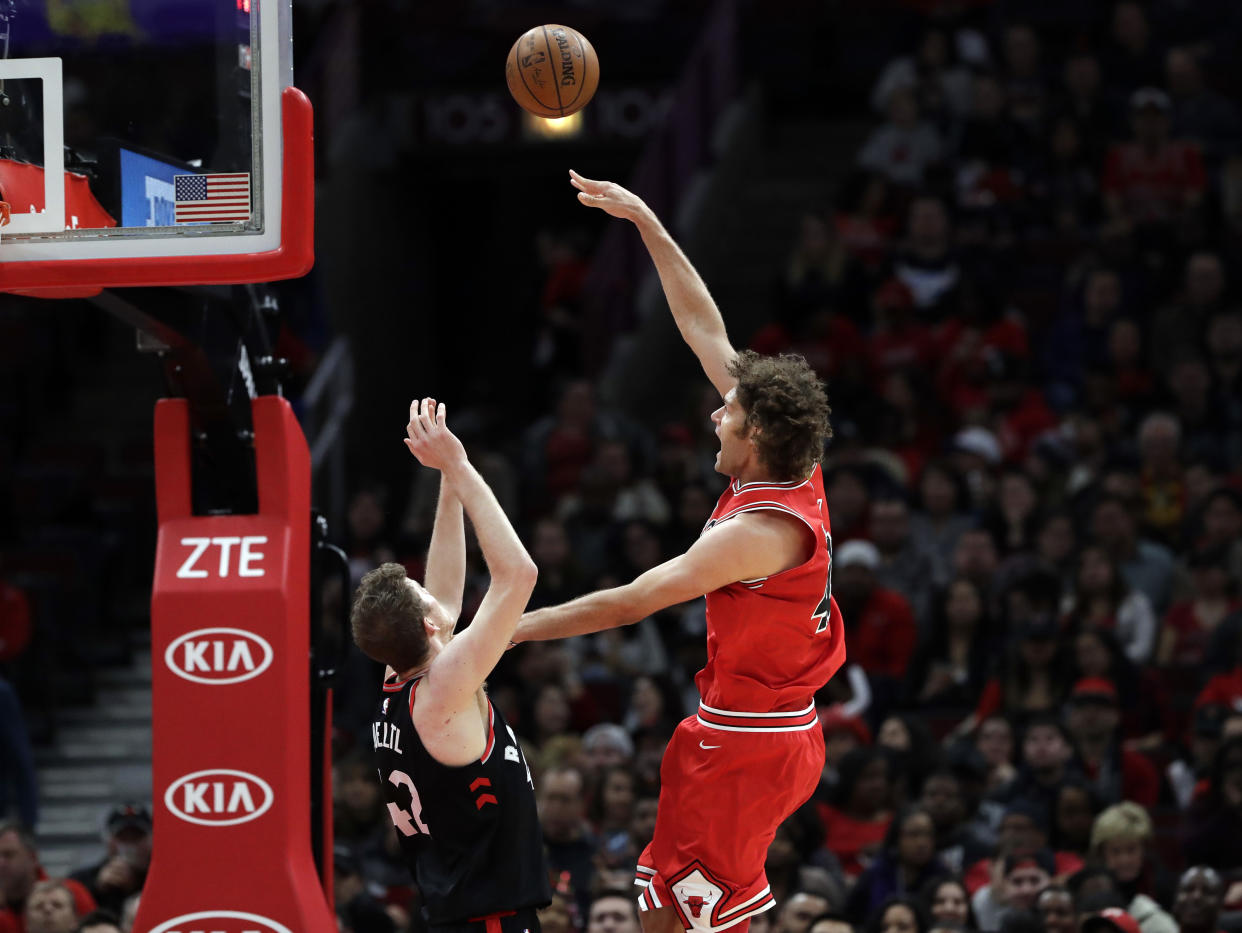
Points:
(609, 197)
(428, 436)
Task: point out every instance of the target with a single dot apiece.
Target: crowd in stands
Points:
(1023, 308)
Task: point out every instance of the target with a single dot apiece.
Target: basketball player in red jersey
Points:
(754, 751)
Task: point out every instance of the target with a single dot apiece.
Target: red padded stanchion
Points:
(230, 695)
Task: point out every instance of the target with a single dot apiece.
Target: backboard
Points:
(151, 142)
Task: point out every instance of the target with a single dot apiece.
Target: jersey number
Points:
(409, 823)
(824, 609)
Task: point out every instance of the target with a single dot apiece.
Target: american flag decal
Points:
(212, 198)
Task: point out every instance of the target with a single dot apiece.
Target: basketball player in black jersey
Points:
(458, 789)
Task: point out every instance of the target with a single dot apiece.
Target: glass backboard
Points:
(148, 142)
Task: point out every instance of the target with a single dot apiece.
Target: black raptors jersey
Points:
(470, 835)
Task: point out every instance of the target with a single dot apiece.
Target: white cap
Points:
(857, 552)
(978, 441)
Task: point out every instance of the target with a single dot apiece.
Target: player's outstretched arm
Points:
(693, 309)
(460, 669)
(445, 578)
(749, 546)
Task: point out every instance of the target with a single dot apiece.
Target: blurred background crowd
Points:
(1020, 297)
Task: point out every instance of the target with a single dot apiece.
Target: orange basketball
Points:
(552, 71)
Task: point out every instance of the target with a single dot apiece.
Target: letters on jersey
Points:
(469, 835)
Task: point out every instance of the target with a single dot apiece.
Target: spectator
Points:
(1110, 920)
(1046, 761)
(1029, 680)
(946, 901)
(905, 864)
(357, 909)
(123, 871)
(559, 577)
(20, 871)
(799, 910)
(1023, 831)
(1222, 527)
(829, 923)
(906, 146)
(926, 263)
(1022, 878)
(1094, 720)
(880, 626)
(606, 745)
(815, 273)
(613, 912)
(899, 915)
(1177, 328)
(1146, 566)
(17, 771)
(1200, 114)
(950, 668)
(843, 733)
(790, 853)
(1214, 822)
(99, 921)
(904, 567)
(1121, 841)
(1189, 624)
(1155, 182)
(1074, 809)
(612, 808)
(1084, 103)
(1055, 906)
(860, 809)
(1161, 482)
(1146, 718)
(941, 87)
(1226, 689)
(633, 497)
(941, 517)
(50, 908)
(1132, 58)
(995, 742)
(569, 844)
(1200, 894)
(1104, 599)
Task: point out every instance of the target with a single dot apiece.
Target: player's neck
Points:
(433, 651)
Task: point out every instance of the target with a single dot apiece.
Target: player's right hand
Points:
(608, 196)
(429, 438)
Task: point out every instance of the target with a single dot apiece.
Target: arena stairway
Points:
(101, 756)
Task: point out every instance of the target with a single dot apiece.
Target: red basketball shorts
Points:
(727, 781)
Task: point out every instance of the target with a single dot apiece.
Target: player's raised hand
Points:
(428, 436)
(608, 196)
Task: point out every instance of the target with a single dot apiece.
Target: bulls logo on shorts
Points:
(696, 896)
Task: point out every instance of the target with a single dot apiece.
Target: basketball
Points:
(552, 71)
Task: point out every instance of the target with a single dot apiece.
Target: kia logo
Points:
(218, 656)
(220, 921)
(219, 797)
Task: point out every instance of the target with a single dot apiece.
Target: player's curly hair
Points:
(387, 618)
(785, 400)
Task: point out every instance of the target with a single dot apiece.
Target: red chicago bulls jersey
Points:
(773, 642)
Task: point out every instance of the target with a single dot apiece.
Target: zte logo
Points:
(219, 797)
(220, 921)
(229, 551)
(218, 656)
